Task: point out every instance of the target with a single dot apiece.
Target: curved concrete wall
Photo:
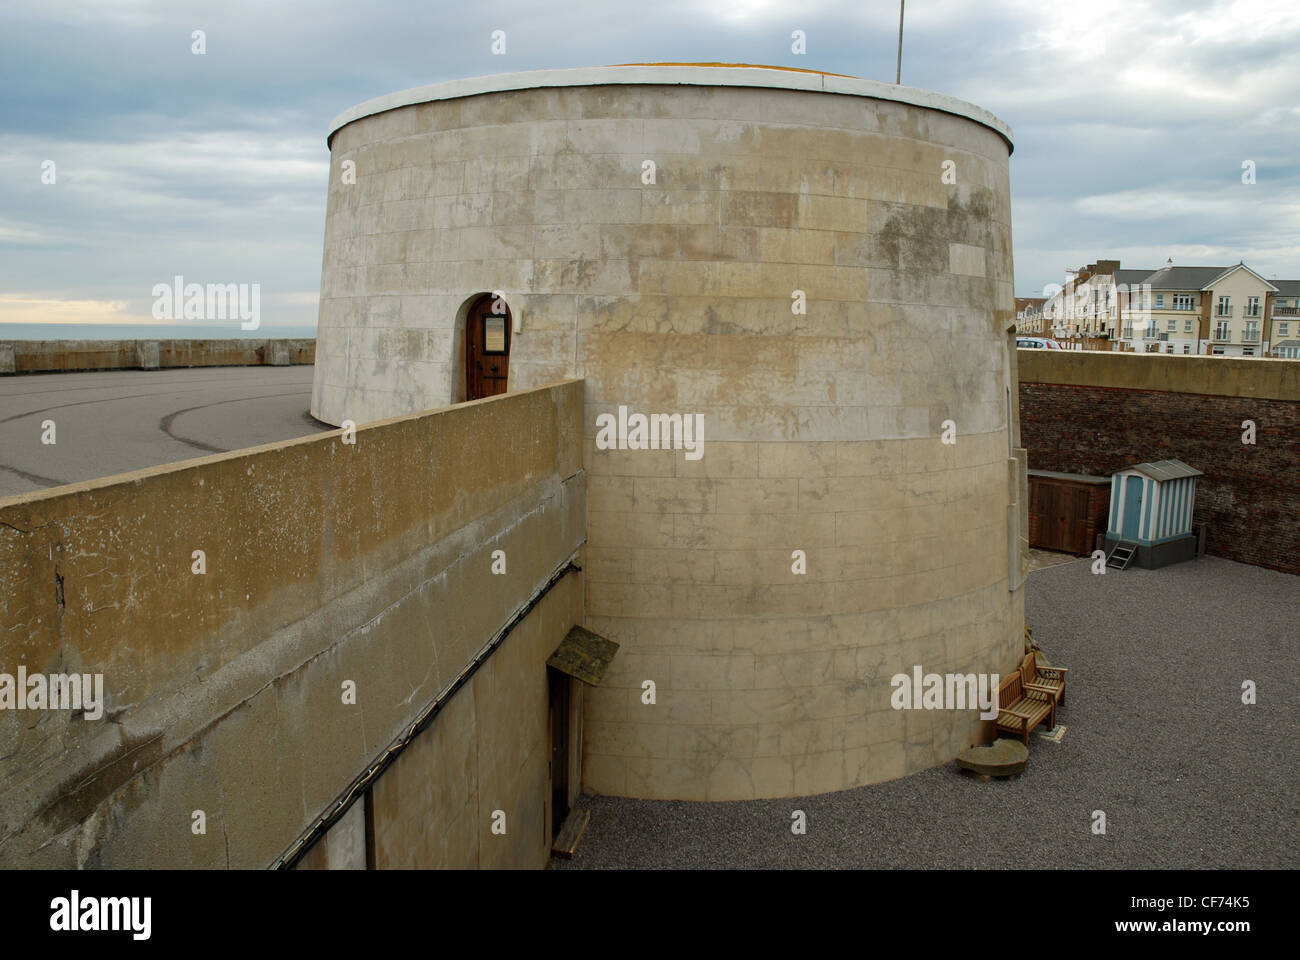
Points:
(821, 429)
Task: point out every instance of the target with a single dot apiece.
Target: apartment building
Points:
(1223, 311)
(1282, 329)
(1029, 315)
(1088, 307)
(1198, 310)
(1164, 316)
(1233, 313)
(1133, 300)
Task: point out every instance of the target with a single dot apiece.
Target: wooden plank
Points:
(566, 841)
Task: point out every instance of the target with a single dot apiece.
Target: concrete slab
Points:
(120, 420)
(1002, 758)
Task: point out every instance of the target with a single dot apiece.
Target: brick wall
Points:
(1249, 496)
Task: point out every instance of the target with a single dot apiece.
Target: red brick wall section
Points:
(1249, 496)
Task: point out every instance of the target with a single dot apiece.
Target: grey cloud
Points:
(215, 166)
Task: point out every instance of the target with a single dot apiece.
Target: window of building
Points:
(1247, 351)
(1187, 348)
(1187, 325)
(1160, 301)
(1169, 348)
(1251, 334)
(1221, 330)
(1217, 351)
(1282, 328)
(1172, 325)
(1224, 308)
(1252, 306)
(1183, 301)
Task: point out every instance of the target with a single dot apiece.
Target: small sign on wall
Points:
(494, 334)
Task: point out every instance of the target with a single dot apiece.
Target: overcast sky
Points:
(1131, 119)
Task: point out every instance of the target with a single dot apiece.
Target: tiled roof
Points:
(1184, 278)
(1130, 277)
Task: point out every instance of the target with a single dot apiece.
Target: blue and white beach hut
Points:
(1151, 507)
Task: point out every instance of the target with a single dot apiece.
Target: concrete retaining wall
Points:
(46, 356)
(1167, 373)
(326, 563)
(1101, 412)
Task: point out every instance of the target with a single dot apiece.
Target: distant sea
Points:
(151, 331)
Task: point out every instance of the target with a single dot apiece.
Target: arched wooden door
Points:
(487, 348)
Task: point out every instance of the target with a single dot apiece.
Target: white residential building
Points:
(1087, 307)
(1199, 310)
(1222, 311)
(1284, 320)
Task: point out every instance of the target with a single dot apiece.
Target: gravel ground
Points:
(1156, 737)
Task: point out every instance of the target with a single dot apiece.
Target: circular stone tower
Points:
(802, 282)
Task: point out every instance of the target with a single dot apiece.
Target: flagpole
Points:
(898, 74)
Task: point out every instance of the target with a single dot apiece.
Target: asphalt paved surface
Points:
(120, 420)
(1157, 737)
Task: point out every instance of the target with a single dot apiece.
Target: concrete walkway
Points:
(1156, 737)
(120, 420)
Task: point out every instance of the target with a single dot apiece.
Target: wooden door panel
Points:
(559, 706)
(1063, 515)
(1078, 538)
(487, 350)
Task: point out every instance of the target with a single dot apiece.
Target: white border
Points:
(696, 76)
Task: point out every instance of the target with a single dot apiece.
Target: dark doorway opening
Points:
(560, 685)
(487, 347)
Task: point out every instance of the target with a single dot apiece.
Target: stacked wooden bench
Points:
(1024, 703)
(1044, 676)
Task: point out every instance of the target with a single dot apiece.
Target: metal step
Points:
(1121, 556)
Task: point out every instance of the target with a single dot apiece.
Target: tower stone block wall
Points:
(817, 272)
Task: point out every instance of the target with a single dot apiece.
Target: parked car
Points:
(1037, 343)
